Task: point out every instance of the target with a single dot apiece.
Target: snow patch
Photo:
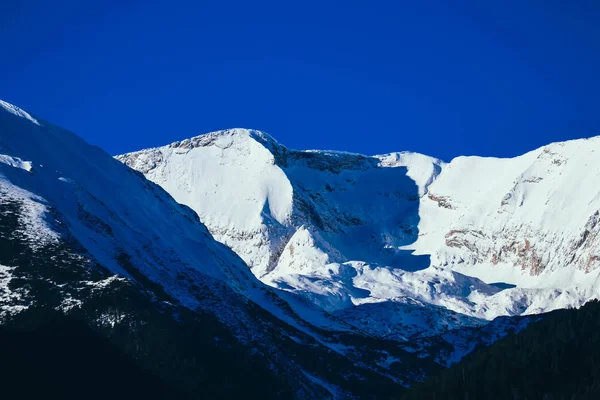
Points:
(16, 162)
(17, 111)
(9, 299)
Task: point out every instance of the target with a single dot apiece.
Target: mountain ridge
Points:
(317, 228)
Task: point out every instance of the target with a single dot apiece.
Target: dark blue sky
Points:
(494, 78)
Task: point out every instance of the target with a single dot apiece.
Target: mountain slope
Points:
(300, 218)
(479, 237)
(255, 193)
(83, 234)
(531, 221)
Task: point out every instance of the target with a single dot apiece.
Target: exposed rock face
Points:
(532, 215)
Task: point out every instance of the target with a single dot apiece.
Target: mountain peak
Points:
(224, 138)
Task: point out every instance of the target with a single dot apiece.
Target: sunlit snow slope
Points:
(53, 170)
(530, 221)
(481, 237)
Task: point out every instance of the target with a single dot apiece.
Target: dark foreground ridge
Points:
(553, 359)
(62, 358)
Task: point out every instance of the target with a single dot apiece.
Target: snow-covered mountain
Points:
(83, 234)
(476, 237)
(531, 221)
(375, 270)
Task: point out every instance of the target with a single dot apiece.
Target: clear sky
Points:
(445, 78)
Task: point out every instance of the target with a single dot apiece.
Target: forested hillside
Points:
(553, 359)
